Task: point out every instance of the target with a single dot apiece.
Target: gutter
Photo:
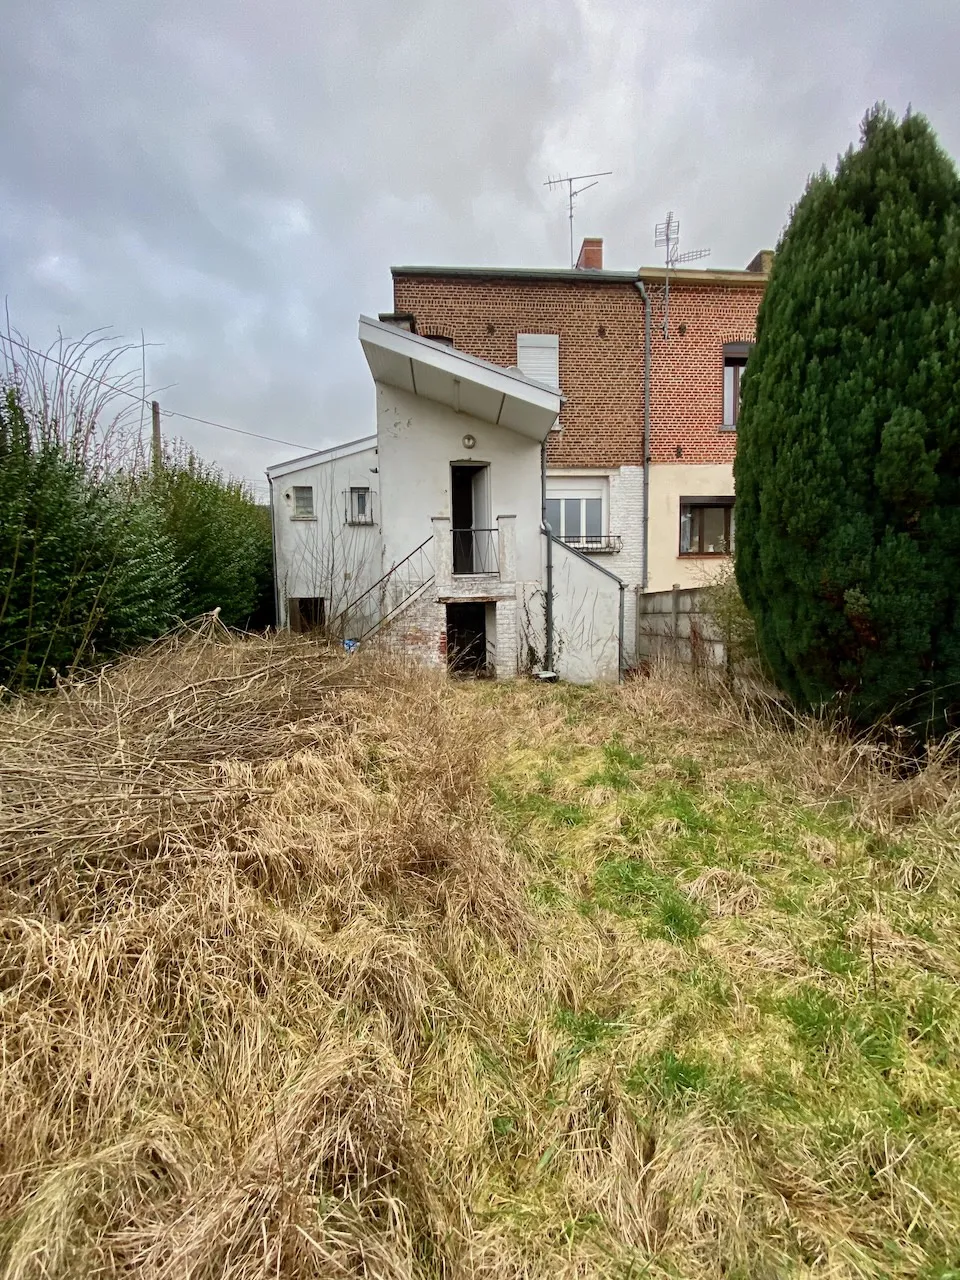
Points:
(548, 533)
(647, 320)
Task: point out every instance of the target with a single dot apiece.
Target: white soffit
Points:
(465, 384)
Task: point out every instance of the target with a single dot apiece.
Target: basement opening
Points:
(467, 638)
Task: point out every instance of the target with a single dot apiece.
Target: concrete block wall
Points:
(672, 625)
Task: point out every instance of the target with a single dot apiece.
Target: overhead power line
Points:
(167, 413)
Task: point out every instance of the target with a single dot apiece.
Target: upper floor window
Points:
(734, 362)
(303, 501)
(538, 356)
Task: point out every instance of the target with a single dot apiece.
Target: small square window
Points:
(359, 506)
(706, 526)
(303, 501)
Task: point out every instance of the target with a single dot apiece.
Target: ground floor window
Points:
(706, 526)
(306, 613)
(576, 520)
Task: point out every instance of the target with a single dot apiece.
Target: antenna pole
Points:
(666, 235)
(572, 261)
(572, 194)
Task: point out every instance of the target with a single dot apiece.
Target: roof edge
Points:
(579, 275)
(345, 450)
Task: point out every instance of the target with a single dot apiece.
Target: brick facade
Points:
(600, 325)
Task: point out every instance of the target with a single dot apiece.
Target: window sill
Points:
(703, 555)
(363, 524)
(304, 519)
(727, 428)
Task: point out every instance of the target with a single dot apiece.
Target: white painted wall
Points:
(419, 439)
(624, 518)
(325, 556)
(668, 482)
(586, 619)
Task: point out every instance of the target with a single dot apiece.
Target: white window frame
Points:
(537, 354)
(299, 490)
(560, 488)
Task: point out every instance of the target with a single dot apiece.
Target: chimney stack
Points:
(762, 262)
(591, 255)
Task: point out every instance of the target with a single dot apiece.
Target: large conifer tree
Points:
(848, 457)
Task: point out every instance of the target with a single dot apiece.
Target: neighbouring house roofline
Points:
(579, 275)
(345, 450)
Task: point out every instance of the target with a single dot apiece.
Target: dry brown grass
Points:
(285, 990)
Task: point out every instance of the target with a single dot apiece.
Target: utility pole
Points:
(157, 438)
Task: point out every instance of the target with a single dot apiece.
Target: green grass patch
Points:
(631, 887)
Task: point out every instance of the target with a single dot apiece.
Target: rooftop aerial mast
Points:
(666, 235)
(573, 192)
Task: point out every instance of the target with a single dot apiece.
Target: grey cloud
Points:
(237, 178)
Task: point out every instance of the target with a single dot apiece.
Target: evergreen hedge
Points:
(85, 568)
(848, 456)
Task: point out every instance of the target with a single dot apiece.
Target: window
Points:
(734, 361)
(706, 526)
(538, 357)
(732, 372)
(575, 519)
(306, 613)
(303, 501)
(577, 511)
(359, 506)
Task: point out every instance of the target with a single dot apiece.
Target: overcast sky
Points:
(236, 177)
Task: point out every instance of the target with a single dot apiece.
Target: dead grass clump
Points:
(724, 892)
(238, 882)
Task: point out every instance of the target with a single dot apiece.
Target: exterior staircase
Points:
(374, 609)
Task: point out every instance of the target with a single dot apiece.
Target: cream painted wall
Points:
(419, 439)
(668, 483)
(326, 556)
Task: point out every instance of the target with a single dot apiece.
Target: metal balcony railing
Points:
(594, 543)
(475, 551)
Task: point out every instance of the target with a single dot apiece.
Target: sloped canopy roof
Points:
(439, 372)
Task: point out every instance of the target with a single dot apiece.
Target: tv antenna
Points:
(666, 235)
(573, 192)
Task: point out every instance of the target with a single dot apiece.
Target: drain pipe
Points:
(638, 283)
(548, 532)
(623, 587)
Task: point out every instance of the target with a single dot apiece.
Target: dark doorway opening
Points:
(467, 637)
(306, 613)
(470, 518)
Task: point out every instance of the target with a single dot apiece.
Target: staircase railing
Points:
(418, 565)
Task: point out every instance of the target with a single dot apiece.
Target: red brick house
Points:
(584, 330)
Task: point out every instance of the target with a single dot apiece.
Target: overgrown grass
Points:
(317, 967)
